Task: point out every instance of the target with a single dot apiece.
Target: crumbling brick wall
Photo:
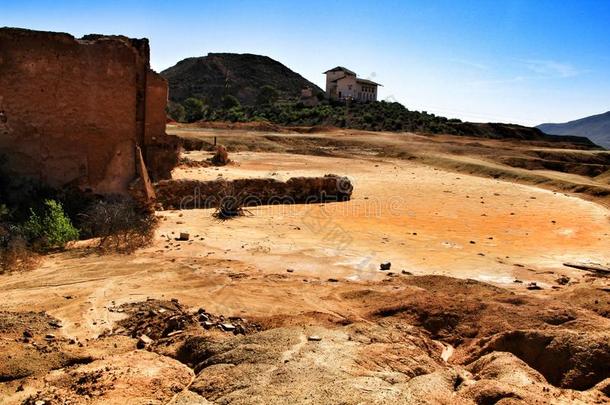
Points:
(72, 111)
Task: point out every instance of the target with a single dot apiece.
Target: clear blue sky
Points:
(517, 61)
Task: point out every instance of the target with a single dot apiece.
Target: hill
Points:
(241, 75)
(595, 127)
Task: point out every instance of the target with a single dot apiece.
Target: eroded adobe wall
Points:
(74, 110)
(191, 194)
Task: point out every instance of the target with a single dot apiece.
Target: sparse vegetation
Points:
(230, 205)
(120, 225)
(375, 116)
(50, 228)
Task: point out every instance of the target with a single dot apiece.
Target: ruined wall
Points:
(191, 194)
(74, 110)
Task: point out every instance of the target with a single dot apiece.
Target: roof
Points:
(365, 81)
(358, 80)
(341, 69)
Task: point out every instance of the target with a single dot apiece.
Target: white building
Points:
(342, 84)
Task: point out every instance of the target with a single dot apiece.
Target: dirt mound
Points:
(138, 377)
(566, 359)
(221, 157)
(458, 311)
(31, 344)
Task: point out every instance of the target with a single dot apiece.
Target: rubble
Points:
(154, 321)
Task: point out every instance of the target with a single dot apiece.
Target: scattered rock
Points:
(49, 336)
(563, 280)
(27, 334)
(184, 236)
(314, 338)
(143, 342)
(533, 286)
(385, 266)
(333, 280)
(227, 327)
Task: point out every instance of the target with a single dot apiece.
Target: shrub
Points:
(15, 254)
(229, 102)
(50, 229)
(267, 95)
(176, 111)
(194, 109)
(119, 224)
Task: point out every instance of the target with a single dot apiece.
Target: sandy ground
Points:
(300, 259)
(421, 219)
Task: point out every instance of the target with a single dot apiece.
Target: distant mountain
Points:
(595, 127)
(241, 75)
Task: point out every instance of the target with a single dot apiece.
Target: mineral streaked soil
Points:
(384, 337)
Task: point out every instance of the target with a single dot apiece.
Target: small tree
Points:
(176, 112)
(50, 229)
(267, 95)
(194, 109)
(229, 102)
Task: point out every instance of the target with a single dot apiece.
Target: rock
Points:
(174, 333)
(40, 402)
(143, 341)
(407, 273)
(227, 327)
(533, 286)
(333, 280)
(563, 280)
(55, 324)
(314, 338)
(27, 334)
(49, 336)
(208, 324)
(385, 266)
(290, 270)
(184, 236)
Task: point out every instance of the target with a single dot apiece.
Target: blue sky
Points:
(517, 61)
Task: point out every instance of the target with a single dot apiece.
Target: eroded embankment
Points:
(508, 346)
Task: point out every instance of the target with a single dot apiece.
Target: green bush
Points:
(194, 109)
(229, 102)
(176, 112)
(50, 229)
(267, 95)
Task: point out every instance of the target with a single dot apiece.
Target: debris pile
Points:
(155, 320)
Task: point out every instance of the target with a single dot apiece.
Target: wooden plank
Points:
(595, 268)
